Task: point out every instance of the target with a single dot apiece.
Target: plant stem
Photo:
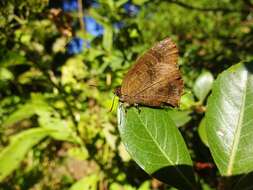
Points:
(80, 14)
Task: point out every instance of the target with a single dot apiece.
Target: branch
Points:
(80, 14)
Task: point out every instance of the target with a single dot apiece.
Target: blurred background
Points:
(60, 61)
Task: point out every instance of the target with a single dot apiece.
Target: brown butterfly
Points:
(155, 79)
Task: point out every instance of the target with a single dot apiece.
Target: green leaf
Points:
(187, 101)
(37, 105)
(180, 118)
(229, 120)
(5, 74)
(107, 37)
(117, 186)
(14, 153)
(139, 2)
(73, 71)
(88, 182)
(30, 76)
(11, 58)
(62, 128)
(78, 153)
(47, 118)
(203, 85)
(120, 3)
(154, 142)
(145, 186)
(23, 112)
(99, 18)
(202, 131)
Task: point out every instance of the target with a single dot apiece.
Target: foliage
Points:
(59, 65)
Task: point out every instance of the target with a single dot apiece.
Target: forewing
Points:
(166, 89)
(154, 73)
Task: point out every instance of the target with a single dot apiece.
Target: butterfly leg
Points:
(126, 105)
(137, 106)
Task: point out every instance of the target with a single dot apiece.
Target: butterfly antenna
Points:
(112, 103)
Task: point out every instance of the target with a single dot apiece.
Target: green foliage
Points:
(147, 136)
(229, 120)
(203, 85)
(14, 153)
(202, 131)
(180, 118)
(88, 182)
(55, 104)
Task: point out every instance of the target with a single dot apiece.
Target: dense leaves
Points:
(60, 61)
(19, 146)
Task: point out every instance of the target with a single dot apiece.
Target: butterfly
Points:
(154, 80)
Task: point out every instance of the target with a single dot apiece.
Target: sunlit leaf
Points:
(203, 85)
(202, 131)
(73, 70)
(88, 182)
(120, 3)
(107, 37)
(139, 2)
(35, 105)
(78, 153)
(180, 118)
(14, 153)
(29, 76)
(154, 142)
(12, 58)
(62, 128)
(145, 186)
(187, 101)
(5, 74)
(229, 120)
(116, 186)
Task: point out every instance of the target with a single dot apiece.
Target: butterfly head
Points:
(117, 91)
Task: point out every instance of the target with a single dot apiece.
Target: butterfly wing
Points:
(155, 78)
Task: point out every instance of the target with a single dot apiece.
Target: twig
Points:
(80, 14)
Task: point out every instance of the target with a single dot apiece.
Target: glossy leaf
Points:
(180, 118)
(229, 120)
(154, 142)
(202, 131)
(203, 85)
(13, 154)
(107, 38)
